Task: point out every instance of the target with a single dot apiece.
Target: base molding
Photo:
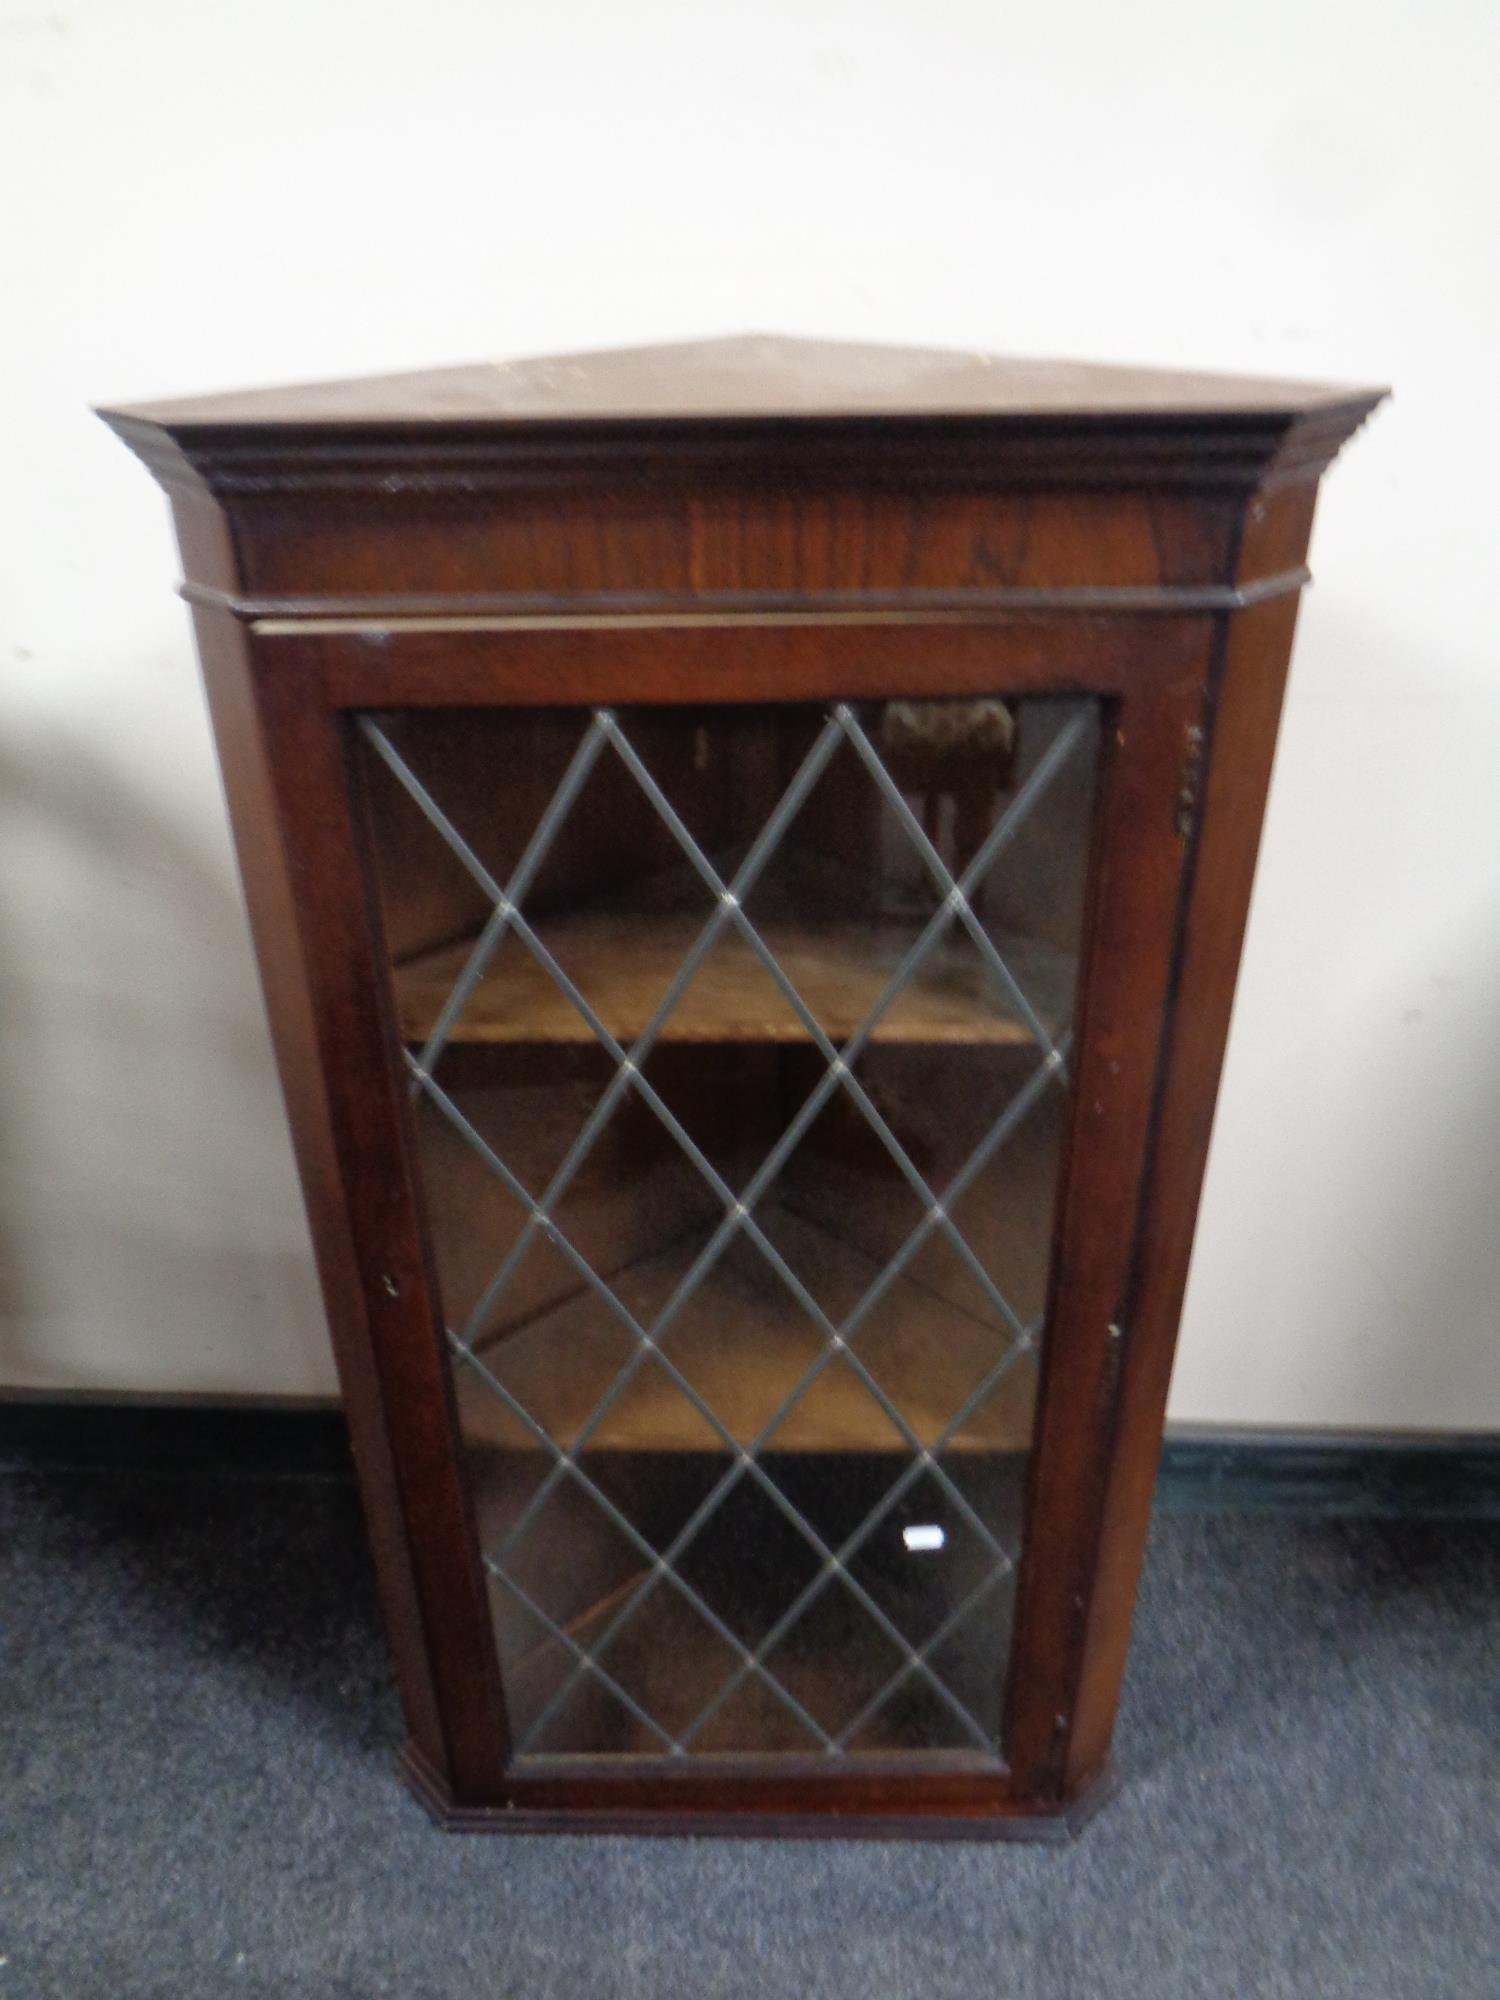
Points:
(1063, 1824)
(1204, 1469)
(1390, 1474)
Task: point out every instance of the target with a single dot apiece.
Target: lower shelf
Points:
(849, 1653)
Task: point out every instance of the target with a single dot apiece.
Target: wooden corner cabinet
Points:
(748, 845)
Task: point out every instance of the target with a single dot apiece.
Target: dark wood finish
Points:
(1121, 1021)
(289, 800)
(756, 376)
(478, 662)
(1247, 685)
(747, 522)
(266, 871)
(331, 908)
(760, 472)
(895, 1808)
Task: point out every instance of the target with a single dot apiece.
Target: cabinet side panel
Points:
(1278, 525)
(224, 652)
(1138, 880)
(1255, 656)
(205, 540)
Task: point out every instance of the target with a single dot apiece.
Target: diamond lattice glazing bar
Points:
(506, 915)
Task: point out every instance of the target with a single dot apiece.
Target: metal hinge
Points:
(1191, 782)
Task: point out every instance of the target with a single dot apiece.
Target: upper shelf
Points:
(623, 963)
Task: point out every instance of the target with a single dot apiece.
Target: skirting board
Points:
(1203, 1470)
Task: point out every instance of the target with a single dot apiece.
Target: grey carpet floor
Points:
(196, 1794)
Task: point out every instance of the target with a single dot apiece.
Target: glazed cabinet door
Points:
(769, 1043)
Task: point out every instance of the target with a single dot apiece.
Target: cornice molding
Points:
(381, 465)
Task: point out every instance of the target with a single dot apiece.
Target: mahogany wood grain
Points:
(742, 523)
(741, 1804)
(1135, 896)
(266, 871)
(465, 663)
(623, 543)
(390, 1319)
(758, 376)
(1246, 709)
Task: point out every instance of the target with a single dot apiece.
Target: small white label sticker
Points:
(924, 1535)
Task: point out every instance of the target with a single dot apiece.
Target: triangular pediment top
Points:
(750, 378)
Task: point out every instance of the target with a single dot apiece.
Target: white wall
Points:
(213, 196)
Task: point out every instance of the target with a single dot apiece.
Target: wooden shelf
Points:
(622, 962)
(743, 1342)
